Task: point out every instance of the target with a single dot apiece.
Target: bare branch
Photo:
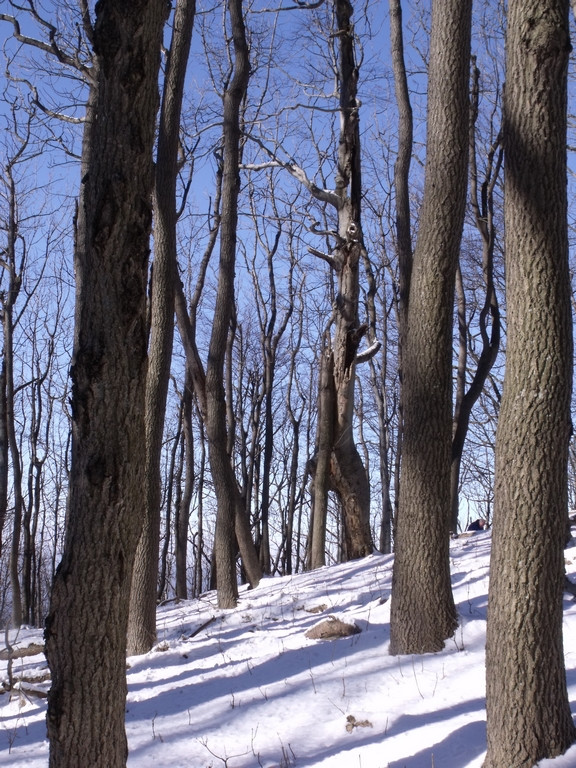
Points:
(325, 195)
(301, 5)
(368, 353)
(46, 110)
(325, 256)
(51, 47)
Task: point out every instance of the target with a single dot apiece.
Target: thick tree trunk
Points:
(87, 623)
(423, 614)
(528, 712)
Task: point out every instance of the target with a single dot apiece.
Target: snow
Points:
(246, 688)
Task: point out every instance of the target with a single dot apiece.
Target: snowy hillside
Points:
(247, 688)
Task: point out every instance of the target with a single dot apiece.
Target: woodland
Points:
(283, 284)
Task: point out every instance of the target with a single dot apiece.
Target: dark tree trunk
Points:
(423, 614)
(525, 674)
(87, 623)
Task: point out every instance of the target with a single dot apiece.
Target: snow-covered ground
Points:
(246, 688)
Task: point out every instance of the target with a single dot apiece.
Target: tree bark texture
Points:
(528, 713)
(423, 614)
(142, 621)
(87, 623)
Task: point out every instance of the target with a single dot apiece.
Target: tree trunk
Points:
(87, 623)
(402, 170)
(403, 228)
(525, 674)
(142, 622)
(230, 518)
(11, 450)
(184, 503)
(423, 614)
(489, 315)
(321, 469)
(4, 451)
(347, 474)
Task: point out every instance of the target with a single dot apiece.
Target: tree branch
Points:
(368, 353)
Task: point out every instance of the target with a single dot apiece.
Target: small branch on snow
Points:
(201, 627)
(17, 653)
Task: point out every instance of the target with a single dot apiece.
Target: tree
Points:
(525, 675)
(338, 464)
(184, 500)
(13, 259)
(231, 522)
(142, 622)
(489, 315)
(272, 330)
(87, 623)
(423, 614)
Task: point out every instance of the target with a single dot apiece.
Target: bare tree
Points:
(232, 524)
(489, 315)
(142, 622)
(338, 464)
(13, 259)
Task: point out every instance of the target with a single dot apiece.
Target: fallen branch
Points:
(9, 653)
(201, 627)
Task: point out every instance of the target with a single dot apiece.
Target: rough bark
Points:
(142, 621)
(528, 713)
(423, 614)
(87, 623)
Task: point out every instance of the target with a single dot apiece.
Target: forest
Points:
(284, 283)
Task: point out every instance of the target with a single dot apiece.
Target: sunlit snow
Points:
(245, 688)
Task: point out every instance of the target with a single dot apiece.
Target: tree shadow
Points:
(456, 750)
